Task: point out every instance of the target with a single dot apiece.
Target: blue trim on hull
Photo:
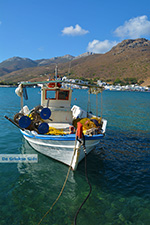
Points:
(68, 137)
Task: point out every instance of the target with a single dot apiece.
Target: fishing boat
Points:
(56, 129)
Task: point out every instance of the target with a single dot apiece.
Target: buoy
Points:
(52, 85)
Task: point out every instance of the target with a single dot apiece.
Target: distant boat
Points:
(54, 128)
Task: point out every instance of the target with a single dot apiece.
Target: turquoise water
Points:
(118, 169)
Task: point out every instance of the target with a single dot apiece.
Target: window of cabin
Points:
(50, 94)
(63, 95)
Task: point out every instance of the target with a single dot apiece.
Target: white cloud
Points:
(77, 31)
(134, 28)
(100, 46)
(0, 22)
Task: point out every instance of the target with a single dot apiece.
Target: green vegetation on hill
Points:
(127, 81)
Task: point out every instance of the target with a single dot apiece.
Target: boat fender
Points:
(24, 122)
(79, 135)
(19, 90)
(79, 130)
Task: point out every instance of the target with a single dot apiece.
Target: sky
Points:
(39, 29)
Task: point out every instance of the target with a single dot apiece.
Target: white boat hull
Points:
(62, 148)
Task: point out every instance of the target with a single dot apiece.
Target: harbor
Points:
(108, 87)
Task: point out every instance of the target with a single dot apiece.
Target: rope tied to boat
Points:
(61, 191)
(82, 141)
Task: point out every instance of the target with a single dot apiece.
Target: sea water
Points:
(118, 169)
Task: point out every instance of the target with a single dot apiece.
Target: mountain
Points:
(56, 60)
(84, 55)
(128, 59)
(17, 63)
(132, 44)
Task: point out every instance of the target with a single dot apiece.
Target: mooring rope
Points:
(75, 218)
(62, 186)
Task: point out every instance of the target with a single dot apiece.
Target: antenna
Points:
(56, 71)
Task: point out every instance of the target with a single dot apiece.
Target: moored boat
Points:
(57, 130)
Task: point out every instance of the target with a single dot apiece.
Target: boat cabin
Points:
(58, 100)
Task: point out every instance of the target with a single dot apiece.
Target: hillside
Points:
(128, 59)
(18, 63)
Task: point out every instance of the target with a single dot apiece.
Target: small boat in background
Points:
(54, 128)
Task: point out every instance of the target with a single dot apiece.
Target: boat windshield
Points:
(63, 95)
(51, 94)
(57, 94)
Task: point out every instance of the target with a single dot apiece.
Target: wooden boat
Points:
(57, 130)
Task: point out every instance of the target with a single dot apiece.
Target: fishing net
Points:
(54, 131)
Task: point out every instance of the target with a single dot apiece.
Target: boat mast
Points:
(56, 72)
